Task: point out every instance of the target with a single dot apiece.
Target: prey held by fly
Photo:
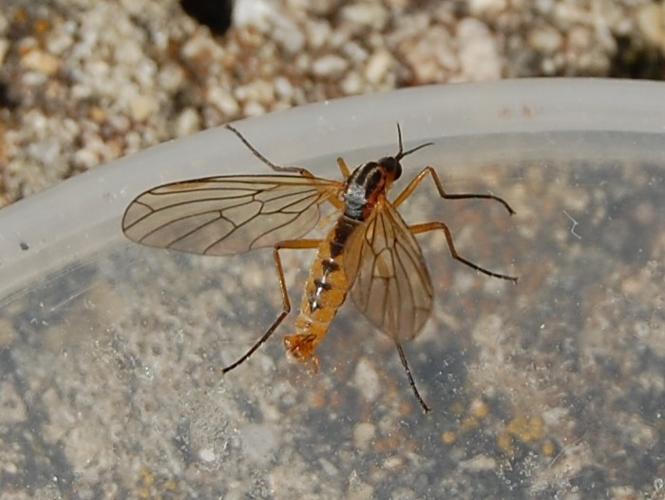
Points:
(370, 252)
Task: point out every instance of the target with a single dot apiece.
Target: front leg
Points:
(410, 188)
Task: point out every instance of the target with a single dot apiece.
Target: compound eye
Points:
(392, 165)
(389, 163)
(398, 170)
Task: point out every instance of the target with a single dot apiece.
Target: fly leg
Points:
(410, 188)
(286, 303)
(277, 168)
(405, 364)
(433, 226)
(343, 167)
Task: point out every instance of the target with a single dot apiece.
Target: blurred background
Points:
(85, 81)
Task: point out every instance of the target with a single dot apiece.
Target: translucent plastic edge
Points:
(81, 215)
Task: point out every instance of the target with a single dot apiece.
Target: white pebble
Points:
(367, 380)
(651, 21)
(378, 65)
(363, 433)
(372, 15)
(478, 53)
(359, 490)
(329, 66)
(201, 46)
(486, 7)
(328, 467)
(59, 41)
(546, 40)
(258, 90)
(283, 87)
(317, 33)
(86, 158)
(352, 83)
(141, 107)
(188, 122)
(42, 62)
(171, 77)
(128, 52)
(4, 24)
(288, 35)
(392, 462)
(207, 455)
(222, 100)
(257, 13)
(253, 108)
(479, 463)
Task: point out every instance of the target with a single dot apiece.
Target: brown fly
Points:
(370, 252)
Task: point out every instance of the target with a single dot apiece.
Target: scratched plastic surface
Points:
(110, 353)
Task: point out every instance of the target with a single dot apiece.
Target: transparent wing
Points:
(392, 286)
(229, 214)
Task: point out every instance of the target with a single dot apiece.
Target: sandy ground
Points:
(77, 90)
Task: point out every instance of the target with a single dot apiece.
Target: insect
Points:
(370, 253)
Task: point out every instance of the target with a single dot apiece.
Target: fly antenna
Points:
(401, 153)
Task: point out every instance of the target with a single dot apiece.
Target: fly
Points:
(370, 253)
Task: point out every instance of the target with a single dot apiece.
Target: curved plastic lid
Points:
(111, 352)
(81, 215)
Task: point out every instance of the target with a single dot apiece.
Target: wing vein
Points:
(392, 287)
(246, 212)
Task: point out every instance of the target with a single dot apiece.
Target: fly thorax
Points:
(355, 201)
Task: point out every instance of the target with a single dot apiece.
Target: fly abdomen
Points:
(325, 291)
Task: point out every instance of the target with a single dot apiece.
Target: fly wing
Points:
(228, 214)
(392, 286)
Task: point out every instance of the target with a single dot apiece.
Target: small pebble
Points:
(369, 15)
(393, 462)
(329, 66)
(85, 158)
(546, 40)
(478, 52)
(378, 65)
(317, 33)
(259, 90)
(479, 463)
(352, 83)
(188, 122)
(363, 433)
(651, 22)
(42, 62)
(253, 108)
(207, 455)
(367, 380)
(171, 77)
(223, 101)
(283, 88)
(358, 489)
(487, 7)
(141, 107)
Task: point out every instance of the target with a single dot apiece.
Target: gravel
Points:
(77, 90)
